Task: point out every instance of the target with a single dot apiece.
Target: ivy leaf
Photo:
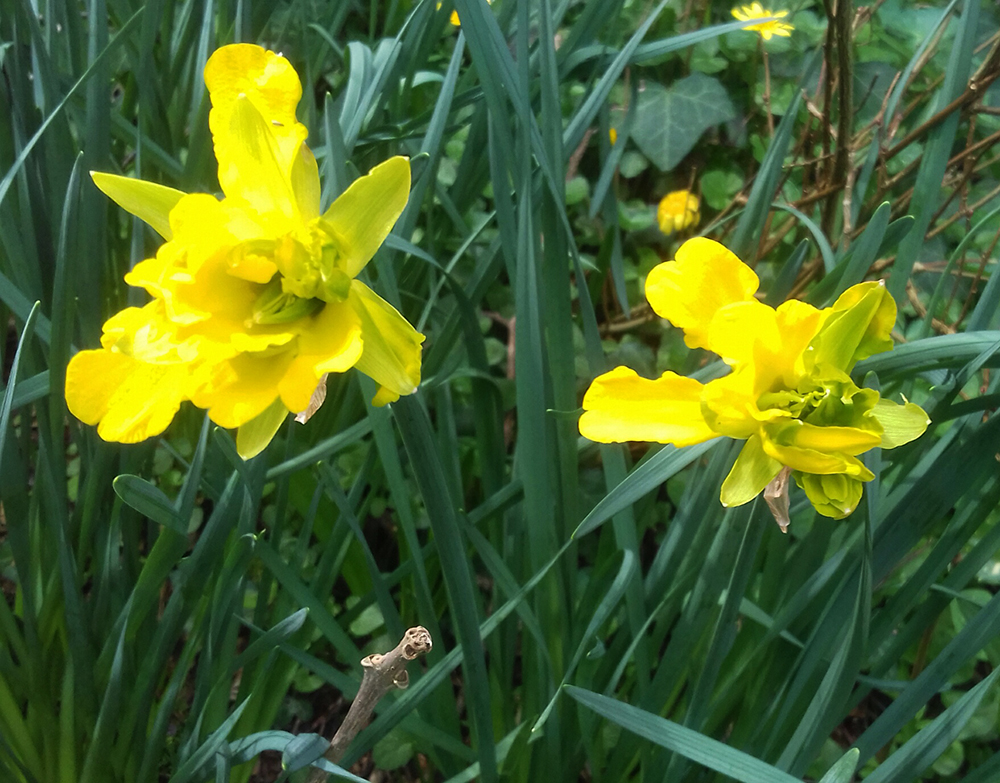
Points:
(669, 121)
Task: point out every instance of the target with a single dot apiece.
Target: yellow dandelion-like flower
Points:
(678, 210)
(748, 13)
(613, 135)
(255, 297)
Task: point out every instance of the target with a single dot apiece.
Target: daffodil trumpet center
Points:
(276, 306)
(299, 272)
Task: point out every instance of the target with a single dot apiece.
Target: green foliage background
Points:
(597, 615)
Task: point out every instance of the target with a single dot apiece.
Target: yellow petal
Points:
(331, 341)
(129, 400)
(146, 200)
(268, 81)
(252, 438)
(829, 439)
(250, 170)
(620, 406)
(242, 388)
(298, 384)
(305, 184)
(878, 335)
(900, 423)
(752, 472)
(797, 323)
(365, 213)
(391, 354)
(729, 404)
(738, 328)
(858, 325)
(813, 461)
(703, 277)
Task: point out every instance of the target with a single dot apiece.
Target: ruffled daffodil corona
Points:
(748, 13)
(789, 394)
(255, 297)
(678, 210)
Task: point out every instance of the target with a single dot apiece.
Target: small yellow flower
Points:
(255, 297)
(613, 135)
(454, 14)
(765, 29)
(678, 210)
(789, 395)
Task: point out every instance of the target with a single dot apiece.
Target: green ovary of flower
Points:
(789, 395)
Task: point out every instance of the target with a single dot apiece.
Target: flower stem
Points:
(381, 674)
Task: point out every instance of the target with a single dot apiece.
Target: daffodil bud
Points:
(835, 495)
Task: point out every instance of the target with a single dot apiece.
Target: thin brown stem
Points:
(381, 674)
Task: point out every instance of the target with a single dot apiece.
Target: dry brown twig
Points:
(381, 674)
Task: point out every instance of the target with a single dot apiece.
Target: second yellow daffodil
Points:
(255, 297)
(789, 395)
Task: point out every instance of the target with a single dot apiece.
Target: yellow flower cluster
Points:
(254, 296)
(678, 210)
(789, 395)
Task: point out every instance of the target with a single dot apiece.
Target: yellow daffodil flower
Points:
(748, 13)
(254, 296)
(678, 210)
(789, 395)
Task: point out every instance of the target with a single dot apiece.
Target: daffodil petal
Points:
(252, 438)
(146, 200)
(828, 439)
(738, 328)
(241, 388)
(129, 400)
(298, 384)
(729, 404)
(878, 334)
(900, 423)
(797, 323)
(330, 342)
(753, 471)
(365, 213)
(858, 326)
(265, 79)
(391, 353)
(250, 171)
(305, 183)
(621, 406)
(813, 461)
(703, 277)
(332, 339)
